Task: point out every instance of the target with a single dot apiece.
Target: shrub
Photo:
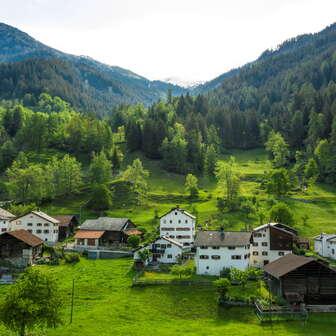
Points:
(72, 258)
(133, 241)
(225, 272)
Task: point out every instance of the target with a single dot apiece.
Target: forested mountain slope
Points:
(110, 85)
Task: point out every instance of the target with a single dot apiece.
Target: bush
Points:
(133, 241)
(72, 258)
(225, 272)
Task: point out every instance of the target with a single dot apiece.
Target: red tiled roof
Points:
(132, 232)
(89, 234)
(26, 237)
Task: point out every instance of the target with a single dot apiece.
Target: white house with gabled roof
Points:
(178, 225)
(5, 218)
(163, 250)
(216, 250)
(39, 224)
(325, 245)
(271, 241)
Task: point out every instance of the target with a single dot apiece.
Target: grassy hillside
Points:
(167, 190)
(106, 304)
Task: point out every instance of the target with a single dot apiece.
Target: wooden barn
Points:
(20, 247)
(301, 279)
(66, 226)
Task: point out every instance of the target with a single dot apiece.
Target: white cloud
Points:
(191, 39)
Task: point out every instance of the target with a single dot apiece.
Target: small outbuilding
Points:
(66, 226)
(20, 247)
(301, 279)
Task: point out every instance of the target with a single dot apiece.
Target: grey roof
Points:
(225, 238)
(177, 208)
(4, 214)
(278, 226)
(104, 224)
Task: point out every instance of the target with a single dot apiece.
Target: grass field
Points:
(166, 190)
(106, 304)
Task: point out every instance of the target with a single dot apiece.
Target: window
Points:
(255, 253)
(46, 231)
(169, 245)
(264, 244)
(30, 231)
(39, 224)
(236, 257)
(175, 213)
(167, 229)
(257, 235)
(266, 262)
(169, 256)
(186, 244)
(204, 247)
(215, 247)
(186, 221)
(281, 254)
(55, 231)
(183, 237)
(183, 229)
(156, 245)
(215, 257)
(179, 221)
(172, 237)
(38, 231)
(231, 247)
(333, 251)
(204, 256)
(164, 221)
(170, 221)
(255, 244)
(3, 230)
(264, 235)
(207, 267)
(91, 242)
(46, 224)
(264, 253)
(163, 246)
(30, 224)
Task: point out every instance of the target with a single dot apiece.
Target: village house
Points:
(302, 243)
(270, 242)
(104, 232)
(66, 225)
(5, 218)
(163, 250)
(20, 247)
(38, 223)
(325, 245)
(179, 225)
(301, 279)
(216, 250)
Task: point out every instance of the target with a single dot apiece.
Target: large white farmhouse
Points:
(179, 225)
(37, 223)
(270, 242)
(216, 250)
(5, 218)
(325, 245)
(163, 250)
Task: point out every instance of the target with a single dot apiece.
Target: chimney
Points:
(222, 233)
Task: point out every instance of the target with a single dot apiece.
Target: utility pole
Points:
(72, 299)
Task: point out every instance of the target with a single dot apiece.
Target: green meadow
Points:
(166, 190)
(106, 304)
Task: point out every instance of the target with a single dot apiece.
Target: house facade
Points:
(39, 224)
(5, 218)
(178, 225)
(325, 245)
(216, 250)
(20, 247)
(104, 232)
(270, 242)
(163, 250)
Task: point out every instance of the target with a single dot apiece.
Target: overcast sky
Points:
(190, 39)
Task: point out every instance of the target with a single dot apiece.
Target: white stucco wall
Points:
(169, 250)
(325, 247)
(272, 255)
(37, 224)
(176, 221)
(212, 266)
(4, 225)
